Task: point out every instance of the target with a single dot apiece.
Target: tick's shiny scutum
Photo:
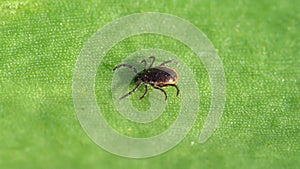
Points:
(160, 76)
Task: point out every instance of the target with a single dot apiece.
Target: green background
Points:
(257, 41)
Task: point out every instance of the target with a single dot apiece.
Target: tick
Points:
(158, 77)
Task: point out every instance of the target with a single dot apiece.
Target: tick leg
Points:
(169, 61)
(166, 95)
(174, 85)
(128, 66)
(153, 61)
(146, 91)
(144, 62)
(132, 91)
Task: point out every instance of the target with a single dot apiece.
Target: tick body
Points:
(157, 77)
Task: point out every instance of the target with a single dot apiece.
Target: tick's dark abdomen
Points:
(159, 76)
